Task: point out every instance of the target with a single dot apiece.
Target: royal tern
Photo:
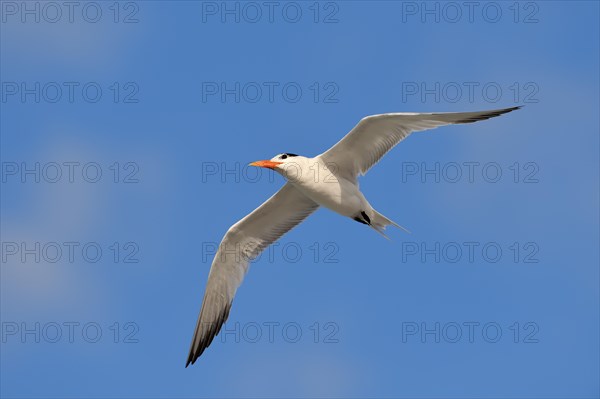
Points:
(330, 180)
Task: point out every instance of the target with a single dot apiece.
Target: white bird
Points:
(330, 180)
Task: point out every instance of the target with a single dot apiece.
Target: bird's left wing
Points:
(375, 135)
(243, 242)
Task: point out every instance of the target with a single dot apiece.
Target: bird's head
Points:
(280, 161)
(289, 165)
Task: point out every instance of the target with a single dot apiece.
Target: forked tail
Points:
(380, 222)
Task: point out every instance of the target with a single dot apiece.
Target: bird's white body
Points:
(329, 180)
(319, 181)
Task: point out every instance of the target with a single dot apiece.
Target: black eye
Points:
(283, 156)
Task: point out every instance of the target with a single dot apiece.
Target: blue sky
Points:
(125, 135)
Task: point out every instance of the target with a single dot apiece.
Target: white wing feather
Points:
(243, 242)
(375, 135)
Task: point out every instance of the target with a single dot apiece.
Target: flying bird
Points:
(329, 180)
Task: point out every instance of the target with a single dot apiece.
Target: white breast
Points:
(322, 184)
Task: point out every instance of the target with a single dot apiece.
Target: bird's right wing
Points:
(375, 135)
(243, 242)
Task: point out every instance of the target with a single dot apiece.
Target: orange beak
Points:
(266, 164)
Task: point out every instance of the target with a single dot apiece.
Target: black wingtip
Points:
(208, 332)
(513, 108)
(489, 114)
(192, 359)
